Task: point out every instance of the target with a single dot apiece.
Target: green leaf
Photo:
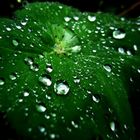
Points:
(62, 73)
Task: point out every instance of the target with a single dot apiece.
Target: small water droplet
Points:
(40, 108)
(112, 126)
(46, 80)
(138, 70)
(121, 50)
(42, 129)
(74, 124)
(15, 43)
(77, 81)
(96, 98)
(28, 61)
(18, 27)
(52, 136)
(61, 88)
(49, 68)
(76, 18)
(25, 94)
(92, 18)
(2, 81)
(23, 23)
(135, 47)
(8, 29)
(107, 68)
(119, 34)
(34, 67)
(13, 76)
(67, 19)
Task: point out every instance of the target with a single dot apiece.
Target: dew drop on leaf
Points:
(2, 81)
(40, 108)
(67, 19)
(8, 29)
(107, 68)
(13, 76)
(61, 88)
(49, 68)
(121, 50)
(119, 34)
(76, 49)
(46, 80)
(15, 43)
(96, 98)
(34, 67)
(74, 124)
(91, 18)
(28, 61)
(25, 94)
(112, 126)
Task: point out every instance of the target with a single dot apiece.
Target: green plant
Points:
(66, 74)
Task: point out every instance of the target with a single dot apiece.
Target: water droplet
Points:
(52, 136)
(15, 43)
(8, 29)
(135, 47)
(13, 76)
(67, 19)
(74, 124)
(119, 34)
(121, 50)
(49, 68)
(46, 80)
(77, 81)
(25, 94)
(40, 108)
(96, 98)
(28, 61)
(107, 68)
(18, 27)
(34, 67)
(2, 81)
(76, 49)
(112, 126)
(23, 23)
(91, 18)
(61, 88)
(42, 129)
(76, 18)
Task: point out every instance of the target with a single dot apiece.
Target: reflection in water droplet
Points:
(112, 126)
(40, 108)
(107, 68)
(46, 80)
(2, 81)
(61, 88)
(15, 43)
(119, 34)
(91, 18)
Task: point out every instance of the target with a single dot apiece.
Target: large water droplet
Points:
(119, 34)
(40, 108)
(15, 43)
(107, 68)
(46, 80)
(2, 81)
(92, 18)
(25, 94)
(61, 88)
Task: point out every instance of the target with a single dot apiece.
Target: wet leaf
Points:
(62, 73)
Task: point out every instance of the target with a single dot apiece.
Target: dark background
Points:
(128, 8)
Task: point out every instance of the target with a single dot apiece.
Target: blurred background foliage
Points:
(127, 8)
